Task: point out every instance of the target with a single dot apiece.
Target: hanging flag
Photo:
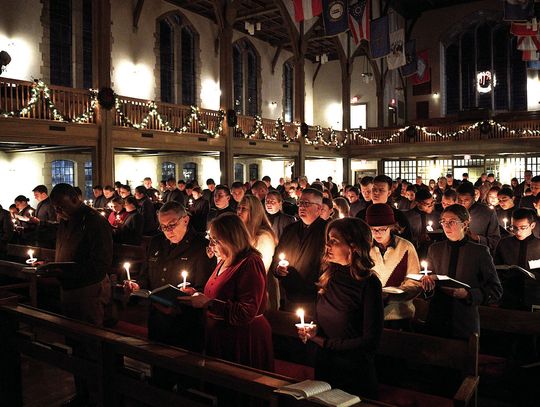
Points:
(335, 15)
(531, 55)
(410, 57)
(359, 16)
(423, 70)
(533, 65)
(523, 29)
(307, 9)
(518, 10)
(380, 41)
(528, 43)
(396, 58)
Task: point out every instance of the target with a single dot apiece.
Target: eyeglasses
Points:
(516, 228)
(170, 227)
(305, 204)
(379, 230)
(242, 209)
(450, 223)
(212, 241)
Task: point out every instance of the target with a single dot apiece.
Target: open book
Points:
(392, 290)
(506, 267)
(441, 280)
(52, 269)
(166, 295)
(319, 392)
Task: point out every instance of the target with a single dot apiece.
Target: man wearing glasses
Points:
(523, 250)
(302, 244)
(424, 220)
(177, 249)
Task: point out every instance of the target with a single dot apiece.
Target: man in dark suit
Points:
(146, 209)
(528, 201)
(44, 217)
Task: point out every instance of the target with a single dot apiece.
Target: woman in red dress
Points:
(235, 296)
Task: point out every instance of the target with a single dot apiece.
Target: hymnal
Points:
(441, 280)
(505, 267)
(52, 269)
(319, 392)
(166, 295)
(392, 290)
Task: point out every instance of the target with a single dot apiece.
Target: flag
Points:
(524, 29)
(380, 41)
(533, 65)
(528, 43)
(307, 9)
(531, 55)
(410, 57)
(359, 13)
(518, 10)
(335, 15)
(423, 71)
(396, 58)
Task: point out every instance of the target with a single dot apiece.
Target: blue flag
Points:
(380, 38)
(336, 16)
(410, 57)
(518, 10)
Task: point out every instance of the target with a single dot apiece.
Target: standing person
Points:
(424, 219)
(6, 231)
(84, 238)
(355, 203)
(147, 210)
(519, 190)
(237, 193)
(198, 208)
(44, 217)
(208, 193)
(222, 202)
(394, 258)
(152, 192)
(440, 189)
(100, 201)
(302, 244)
(453, 312)
(130, 231)
(278, 220)
(349, 312)
(341, 206)
(235, 298)
(505, 209)
(179, 247)
(528, 201)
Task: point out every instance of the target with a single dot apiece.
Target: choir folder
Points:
(510, 268)
(319, 392)
(166, 295)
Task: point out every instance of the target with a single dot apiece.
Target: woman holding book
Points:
(235, 297)
(349, 312)
(453, 310)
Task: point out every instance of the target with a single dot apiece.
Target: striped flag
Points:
(307, 9)
(359, 13)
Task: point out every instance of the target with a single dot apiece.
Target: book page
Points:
(415, 276)
(305, 389)
(392, 290)
(335, 398)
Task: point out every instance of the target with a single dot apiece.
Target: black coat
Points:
(279, 222)
(485, 224)
(148, 212)
(6, 229)
(130, 231)
(421, 237)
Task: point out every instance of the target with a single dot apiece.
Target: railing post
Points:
(10, 364)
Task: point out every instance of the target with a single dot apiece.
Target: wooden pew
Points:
(22, 276)
(414, 349)
(105, 366)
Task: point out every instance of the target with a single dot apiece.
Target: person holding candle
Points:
(505, 209)
(423, 215)
(179, 247)
(198, 210)
(24, 217)
(453, 312)
(130, 230)
(118, 214)
(6, 231)
(303, 244)
(235, 298)
(394, 258)
(349, 311)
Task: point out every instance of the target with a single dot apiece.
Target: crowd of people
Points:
(342, 254)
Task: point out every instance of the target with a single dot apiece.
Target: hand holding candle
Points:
(127, 266)
(429, 226)
(424, 265)
(282, 261)
(184, 280)
(305, 331)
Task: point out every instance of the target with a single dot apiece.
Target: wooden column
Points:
(226, 13)
(300, 98)
(103, 166)
(347, 170)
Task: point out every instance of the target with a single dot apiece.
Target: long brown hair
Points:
(357, 235)
(257, 223)
(229, 229)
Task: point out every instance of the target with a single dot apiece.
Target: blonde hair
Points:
(257, 221)
(229, 229)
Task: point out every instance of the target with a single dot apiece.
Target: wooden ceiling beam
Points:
(247, 16)
(275, 59)
(137, 13)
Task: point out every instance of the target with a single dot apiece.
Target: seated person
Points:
(394, 258)
(521, 249)
(453, 312)
(349, 310)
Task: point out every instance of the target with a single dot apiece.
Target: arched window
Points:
(288, 91)
(239, 172)
(88, 180)
(62, 171)
(246, 73)
(189, 171)
(253, 171)
(484, 47)
(168, 170)
(177, 44)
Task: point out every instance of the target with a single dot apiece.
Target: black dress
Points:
(350, 318)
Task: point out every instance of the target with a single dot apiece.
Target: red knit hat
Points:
(380, 215)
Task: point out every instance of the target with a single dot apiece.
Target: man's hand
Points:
(428, 283)
(130, 286)
(458, 293)
(282, 271)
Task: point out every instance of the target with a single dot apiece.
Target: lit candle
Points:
(434, 196)
(14, 221)
(31, 212)
(396, 205)
(118, 218)
(491, 207)
(341, 216)
(505, 220)
(184, 279)
(190, 202)
(429, 227)
(85, 202)
(283, 262)
(300, 314)
(91, 202)
(103, 213)
(424, 265)
(127, 266)
(31, 257)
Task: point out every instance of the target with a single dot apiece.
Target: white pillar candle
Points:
(127, 266)
(184, 278)
(300, 313)
(505, 220)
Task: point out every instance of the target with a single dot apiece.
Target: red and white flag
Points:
(307, 9)
(359, 18)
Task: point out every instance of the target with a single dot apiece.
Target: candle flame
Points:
(424, 264)
(300, 313)
(184, 273)
(31, 253)
(127, 265)
(282, 257)
(430, 223)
